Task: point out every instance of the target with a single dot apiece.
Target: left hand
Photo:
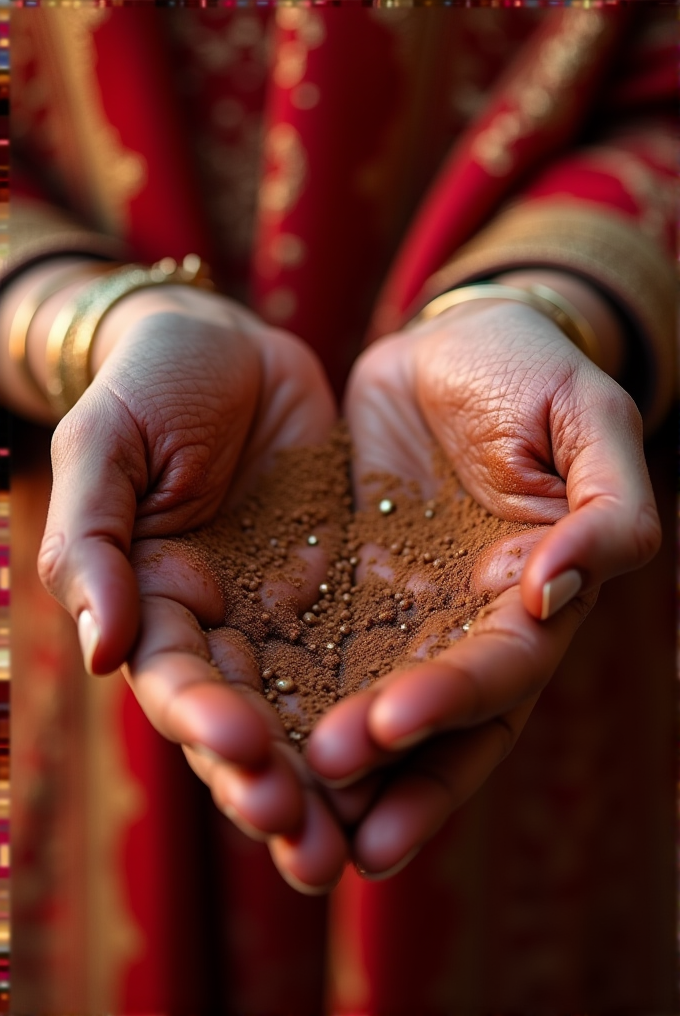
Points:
(538, 434)
(193, 401)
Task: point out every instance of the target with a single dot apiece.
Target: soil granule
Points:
(396, 583)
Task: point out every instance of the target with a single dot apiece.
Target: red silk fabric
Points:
(302, 151)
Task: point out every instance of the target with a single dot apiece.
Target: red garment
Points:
(292, 149)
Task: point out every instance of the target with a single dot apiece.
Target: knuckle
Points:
(375, 366)
(51, 560)
(615, 403)
(627, 407)
(71, 434)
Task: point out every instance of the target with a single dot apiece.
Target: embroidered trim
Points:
(544, 88)
(111, 174)
(38, 231)
(604, 246)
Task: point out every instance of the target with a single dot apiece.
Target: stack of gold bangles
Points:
(543, 299)
(72, 334)
(70, 340)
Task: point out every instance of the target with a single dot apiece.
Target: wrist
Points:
(200, 305)
(38, 296)
(27, 309)
(588, 301)
(74, 329)
(133, 309)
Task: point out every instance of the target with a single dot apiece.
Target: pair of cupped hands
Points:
(191, 404)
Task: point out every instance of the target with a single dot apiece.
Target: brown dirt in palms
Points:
(398, 578)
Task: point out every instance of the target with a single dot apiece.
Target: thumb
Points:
(99, 469)
(612, 525)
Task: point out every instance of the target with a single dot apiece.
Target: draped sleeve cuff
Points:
(604, 247)
(38, 231)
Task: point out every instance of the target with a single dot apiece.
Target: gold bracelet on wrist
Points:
(543, 299)
(29, 307)
(69, 343)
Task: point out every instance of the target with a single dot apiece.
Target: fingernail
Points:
(409, 740)
(309, 890)
(88, 635)
(345, 781)
(206, 752)
(250, 831)
(380, 876)
(559, 591)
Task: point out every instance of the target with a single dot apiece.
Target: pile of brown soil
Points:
(397, 576)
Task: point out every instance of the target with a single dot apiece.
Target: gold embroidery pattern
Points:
(219, 46)
(655, 194)
(541, 91)
(290, 65)
(285, 157)
(599, 244)
(110, 174)
(231, 166)
(285, 177)
(228, 148)
(457, 58)
(288, 250)
(283, 147)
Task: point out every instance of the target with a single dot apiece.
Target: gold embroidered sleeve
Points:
(38, 231)
(603, 246)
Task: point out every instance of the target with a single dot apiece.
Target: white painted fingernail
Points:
(380, 876)
(88, 636)
(559, 591)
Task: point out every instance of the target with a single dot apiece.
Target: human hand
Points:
(538, 434)
(191, 404)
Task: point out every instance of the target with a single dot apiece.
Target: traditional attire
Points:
(302, 151)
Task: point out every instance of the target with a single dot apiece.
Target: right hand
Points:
(537, 433)
(191, 403)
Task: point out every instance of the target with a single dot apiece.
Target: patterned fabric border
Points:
(605, 247)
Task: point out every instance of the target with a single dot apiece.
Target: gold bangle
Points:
(27, 310)
(69, 343)
(543, 299)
